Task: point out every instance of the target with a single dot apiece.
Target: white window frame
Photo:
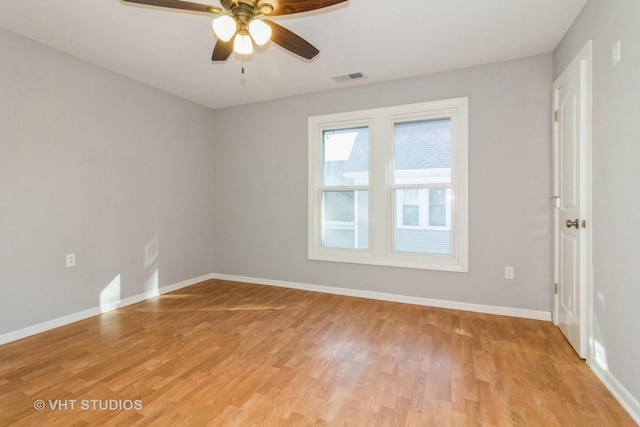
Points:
(382, 209)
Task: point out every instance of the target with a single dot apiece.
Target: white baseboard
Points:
(622, 395)
(478, 308)
(94, 311)
(71, 318)
(45, 326)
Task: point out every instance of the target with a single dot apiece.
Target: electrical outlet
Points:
(615, 53)
(71, 260)
(508, 272)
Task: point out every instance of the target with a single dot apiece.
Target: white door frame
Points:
(584, 58)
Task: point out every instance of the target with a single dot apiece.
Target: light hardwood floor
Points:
(224, 353)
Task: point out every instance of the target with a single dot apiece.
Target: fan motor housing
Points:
(252, 7)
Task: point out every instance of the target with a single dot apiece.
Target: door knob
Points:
(570, 224)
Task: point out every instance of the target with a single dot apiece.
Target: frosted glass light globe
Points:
(225, 27)
(242, 44)
(260, 32)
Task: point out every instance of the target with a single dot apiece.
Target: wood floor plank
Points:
(226, 353)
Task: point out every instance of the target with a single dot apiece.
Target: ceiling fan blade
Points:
(291, 41)
(177, 4)
(222, 50)
(287, 7)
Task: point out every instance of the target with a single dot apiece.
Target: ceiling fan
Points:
(239, 23)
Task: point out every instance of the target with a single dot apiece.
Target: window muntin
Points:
(415, 184)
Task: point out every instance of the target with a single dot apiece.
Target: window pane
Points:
(438, 207)
(346, 156)
(422, 152)
(411, 215)
(345, 219)
(420, 240)
(411, 196)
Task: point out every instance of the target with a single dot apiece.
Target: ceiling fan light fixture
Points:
(260, 32)
(242, 44)
(224, 27)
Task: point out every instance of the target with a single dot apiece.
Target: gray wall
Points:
(260, 187)
(616, 152)
(100, 165)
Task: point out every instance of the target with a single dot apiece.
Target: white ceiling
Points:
(385, 40)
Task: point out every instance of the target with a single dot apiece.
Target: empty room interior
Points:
(322, 212)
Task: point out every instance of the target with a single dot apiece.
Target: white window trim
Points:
(381, 205)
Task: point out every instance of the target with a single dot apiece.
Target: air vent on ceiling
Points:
(348, 77)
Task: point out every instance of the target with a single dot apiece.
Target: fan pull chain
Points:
(242, 64)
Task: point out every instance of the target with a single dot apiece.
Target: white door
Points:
(572, 262)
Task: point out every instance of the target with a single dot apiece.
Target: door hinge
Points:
(556, 116)
(555, 289)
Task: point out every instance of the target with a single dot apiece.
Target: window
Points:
(409, 213)
(389, 186)
(423, 209)
(345, 188)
